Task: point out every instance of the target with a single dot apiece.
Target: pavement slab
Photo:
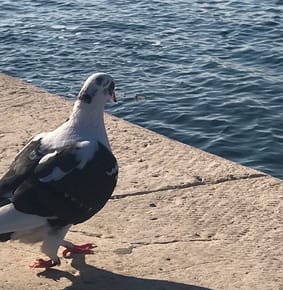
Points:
(180, 218)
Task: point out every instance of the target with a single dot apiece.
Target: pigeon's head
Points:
(99, 87)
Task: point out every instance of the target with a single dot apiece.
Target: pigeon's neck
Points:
(87, 121)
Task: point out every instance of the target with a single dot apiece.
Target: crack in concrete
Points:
(165, 188)
(134, 245)
(188, 185)
(139, 244)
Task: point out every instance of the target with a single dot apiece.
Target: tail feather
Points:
(5, 237)
(4, 201)
(12, 220)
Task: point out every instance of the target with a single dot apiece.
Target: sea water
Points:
(206, 73)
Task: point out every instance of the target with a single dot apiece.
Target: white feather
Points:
(13, 220)
(85, 152)
(47, 156)
(52, 241)
(113, 171)
(56, 174)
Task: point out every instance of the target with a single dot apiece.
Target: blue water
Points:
(208, 73)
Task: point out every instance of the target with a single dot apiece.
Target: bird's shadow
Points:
(94, 278)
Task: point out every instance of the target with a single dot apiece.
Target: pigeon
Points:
(62, 177)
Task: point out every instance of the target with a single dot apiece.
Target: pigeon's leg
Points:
(76, 249)
(51, 243)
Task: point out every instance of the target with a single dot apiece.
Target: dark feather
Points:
(24, 163)
(65, 159)
(77, 196)
(5, 237)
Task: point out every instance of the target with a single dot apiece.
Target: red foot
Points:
(40, 263)
(78, 249)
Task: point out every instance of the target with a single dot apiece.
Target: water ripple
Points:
(210, 72)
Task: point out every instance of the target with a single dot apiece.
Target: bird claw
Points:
(40, 263)
(78, 249)
(74, 249)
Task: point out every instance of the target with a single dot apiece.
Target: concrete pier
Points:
(180, 218)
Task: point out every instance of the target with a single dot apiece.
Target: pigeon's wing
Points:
(39, 193)
(29, 206)
(20, 168)
(69, 185)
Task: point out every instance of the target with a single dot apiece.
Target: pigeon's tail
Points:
(14, 221)
(4, 201)
(6, 236)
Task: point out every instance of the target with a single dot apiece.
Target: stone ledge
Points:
(180, 218)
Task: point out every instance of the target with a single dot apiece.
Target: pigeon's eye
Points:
(111, 88)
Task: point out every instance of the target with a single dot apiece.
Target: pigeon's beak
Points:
(114, 97)
(111, 91)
